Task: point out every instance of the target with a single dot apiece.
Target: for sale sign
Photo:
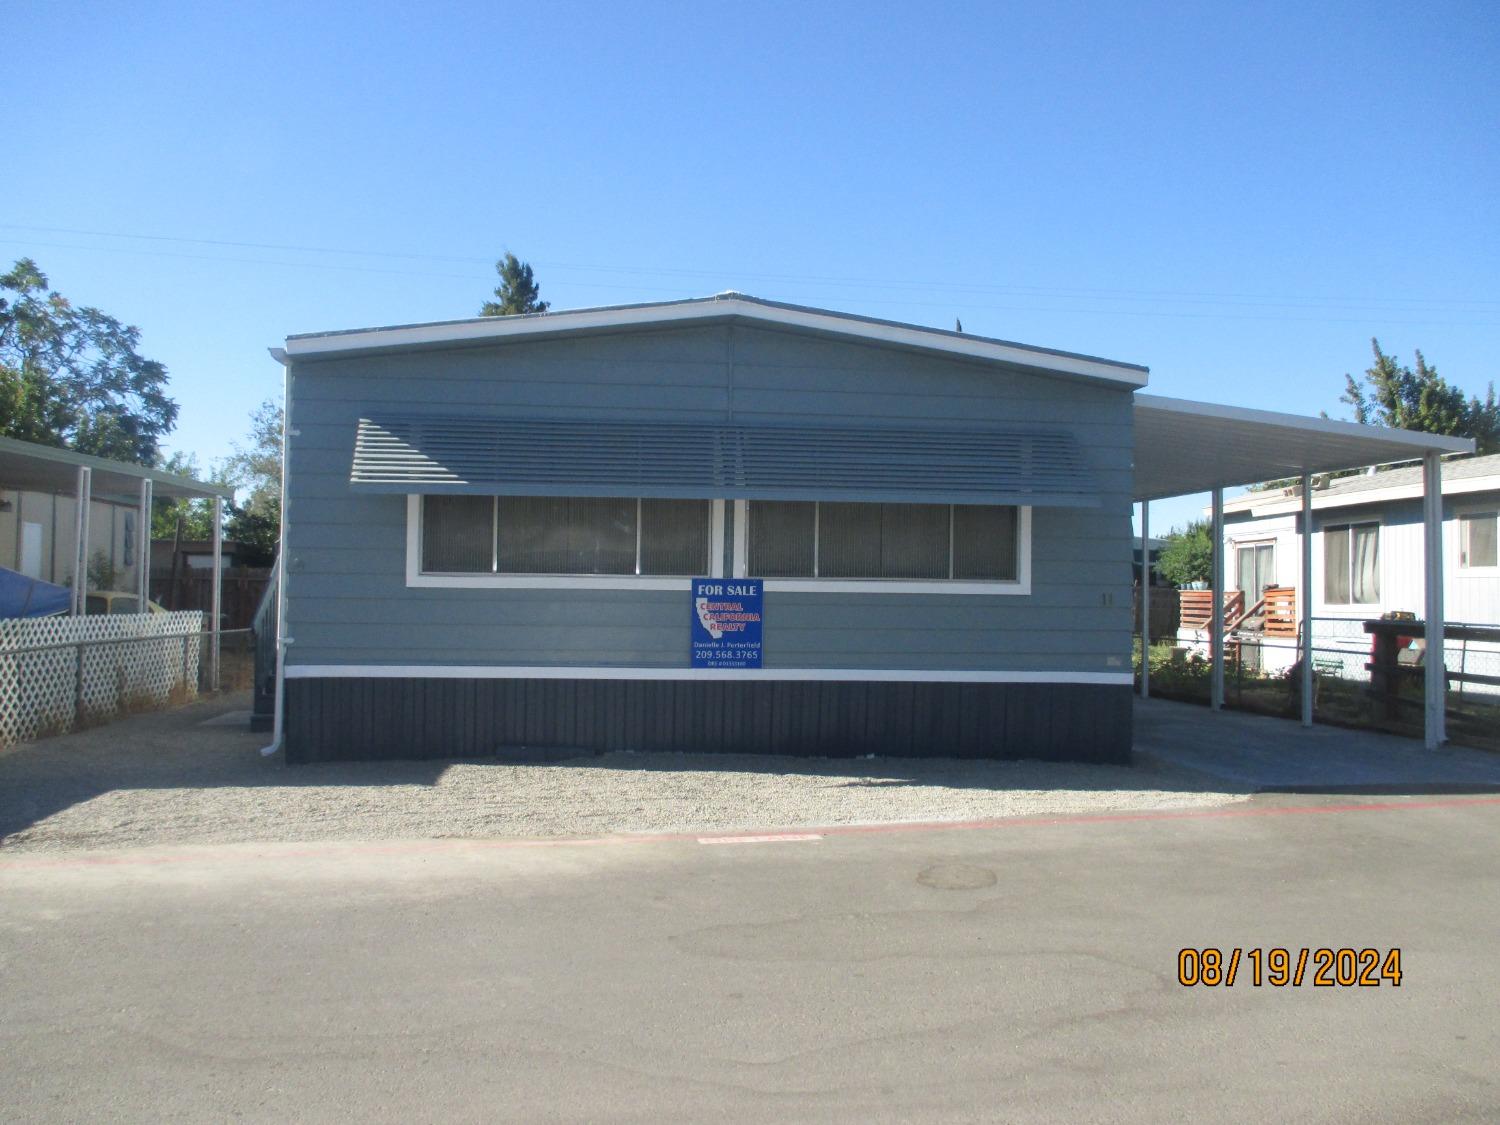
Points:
(726, 622)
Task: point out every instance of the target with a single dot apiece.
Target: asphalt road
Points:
(1026, 972)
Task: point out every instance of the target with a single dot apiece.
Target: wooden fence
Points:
(1164, 613)
(194, 589)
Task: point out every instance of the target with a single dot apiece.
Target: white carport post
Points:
(1304, 602)
(84, 492)
(1145, 599)
(143, 545)
(1432, 520)
(213, 666)
(1216, 620)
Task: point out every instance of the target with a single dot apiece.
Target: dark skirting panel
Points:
(340, 719)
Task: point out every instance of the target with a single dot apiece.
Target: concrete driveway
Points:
(1269, 754)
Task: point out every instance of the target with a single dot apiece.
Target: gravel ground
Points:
(177, 777)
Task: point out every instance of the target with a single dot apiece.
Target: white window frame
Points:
(1359, 609)
(1272, 541)
(1021, 584)
(416, 577)
(1462, 569)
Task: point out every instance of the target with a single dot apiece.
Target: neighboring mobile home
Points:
(40, 521)
(728, 524)
(1367, 552)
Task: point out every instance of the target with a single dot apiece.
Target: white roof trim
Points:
(1275, 503)
(1412, 439)
(1183, 447)
(736, 305)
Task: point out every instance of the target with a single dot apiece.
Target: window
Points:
(1477, 540)
(1351, 564)
(458, 534)
(807, 539)
(564, 535)
(1255, 569)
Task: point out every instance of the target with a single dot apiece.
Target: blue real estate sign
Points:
(726, 622)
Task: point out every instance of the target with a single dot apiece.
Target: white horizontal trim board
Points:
(556, 672)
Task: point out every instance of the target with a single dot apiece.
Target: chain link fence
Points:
(1264, 675)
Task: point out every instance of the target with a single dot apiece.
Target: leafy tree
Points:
(1187, 555)
(256, 465)
(256, 530)
(1414, 399)
(1421, 399)
(72, 376)
(197, 515)
(517, 292)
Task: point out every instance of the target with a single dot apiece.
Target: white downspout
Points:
(277, 711)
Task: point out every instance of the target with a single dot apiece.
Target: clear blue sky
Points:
(1238, 198)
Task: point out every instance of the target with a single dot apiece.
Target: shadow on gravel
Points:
(166, 750)
(1180, 748)
(1030, 774)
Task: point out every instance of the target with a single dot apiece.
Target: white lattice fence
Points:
(113, 662)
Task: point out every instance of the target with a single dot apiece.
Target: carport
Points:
(28, 469)
(1184, 447)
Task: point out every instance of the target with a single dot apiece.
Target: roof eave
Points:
(1415, 440)
(172, 483)
(728, 307)
(1257, 508)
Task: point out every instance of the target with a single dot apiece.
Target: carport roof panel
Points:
(1183, 447)
(43, 468)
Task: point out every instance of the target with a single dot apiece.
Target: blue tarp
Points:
(31, 597)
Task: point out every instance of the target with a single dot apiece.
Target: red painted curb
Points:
(408, 847)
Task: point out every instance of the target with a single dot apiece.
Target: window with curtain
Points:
(807, 539)
(1351, 564)
(1477, 540)
(565, 535)
(1255, 569)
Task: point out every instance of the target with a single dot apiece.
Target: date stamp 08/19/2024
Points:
(1278, 967)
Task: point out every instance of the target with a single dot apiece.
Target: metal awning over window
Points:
(703, 460)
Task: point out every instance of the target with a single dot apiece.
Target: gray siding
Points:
(342, 719)
(348, 602)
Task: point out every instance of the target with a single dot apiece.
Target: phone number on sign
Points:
(1278, 968)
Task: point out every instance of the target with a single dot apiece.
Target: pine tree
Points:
(1421, 399)
(517, 292)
